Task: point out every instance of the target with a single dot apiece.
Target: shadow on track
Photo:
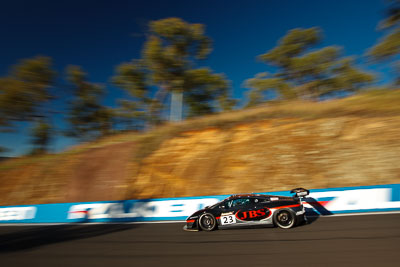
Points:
(46, 235)
(316, 211)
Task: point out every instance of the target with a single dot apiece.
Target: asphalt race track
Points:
(368, 240)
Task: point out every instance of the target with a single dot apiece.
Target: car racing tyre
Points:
(285, 218)
(207, 222)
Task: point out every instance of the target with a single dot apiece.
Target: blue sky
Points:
(99, 35)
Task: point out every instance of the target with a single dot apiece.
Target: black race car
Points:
(250, 210)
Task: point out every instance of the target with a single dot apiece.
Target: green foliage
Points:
(25, 89)
(132, 77)
(293, 44)
(169, 56)
(172, 46)
(179, 44)
(24, 92)
(392, 19)
(302, 74)
(263, 82)
(87, 117)
(182, 39)
(205, 91)
(129, 115)
(389, 46)
(41, 136)
(169, 50)
(347, 76)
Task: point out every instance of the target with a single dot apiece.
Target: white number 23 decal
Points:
(229, 219)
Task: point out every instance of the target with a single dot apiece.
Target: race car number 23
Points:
(228, 219)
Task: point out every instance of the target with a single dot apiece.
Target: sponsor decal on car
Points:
(250, 215)
(228, 219)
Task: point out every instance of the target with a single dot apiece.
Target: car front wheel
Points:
(207, 222)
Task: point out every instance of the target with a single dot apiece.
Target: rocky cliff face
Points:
(275, 154)
(258, 156)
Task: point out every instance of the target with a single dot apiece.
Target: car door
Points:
(262, 208)
(229, 210)
(243, 209)
(254, 211)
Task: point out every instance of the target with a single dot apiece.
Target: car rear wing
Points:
(300, 192)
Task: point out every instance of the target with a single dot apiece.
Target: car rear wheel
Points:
(207, 222)
(285, 219)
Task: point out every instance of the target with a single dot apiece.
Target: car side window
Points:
(226, 204)
(265, 200)
(240, 202)
(261, 200)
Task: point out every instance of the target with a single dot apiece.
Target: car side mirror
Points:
(222, 207)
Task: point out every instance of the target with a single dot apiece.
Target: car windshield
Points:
(230, 203)
(221, 203)
(261, 200)
(237, 202)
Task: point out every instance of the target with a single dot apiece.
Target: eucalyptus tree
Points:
(171, 53)
(87, 117)
(303, 71)
(24, 95)
(388, 48)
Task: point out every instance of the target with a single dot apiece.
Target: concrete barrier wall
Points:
(379, 198)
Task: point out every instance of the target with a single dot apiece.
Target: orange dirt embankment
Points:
(91, 175)
(276, 154)
(264, 155)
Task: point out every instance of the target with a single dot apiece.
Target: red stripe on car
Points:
(288, 206)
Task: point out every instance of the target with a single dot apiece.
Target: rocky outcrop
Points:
(275, 154)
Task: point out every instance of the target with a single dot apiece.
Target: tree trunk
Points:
(176, 106)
